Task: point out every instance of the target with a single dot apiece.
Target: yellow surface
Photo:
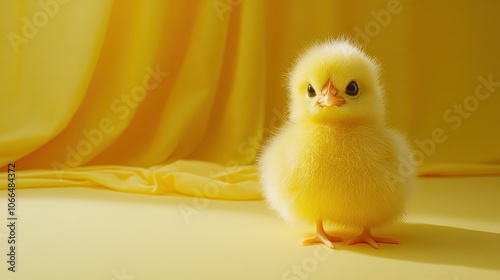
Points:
(452, 232)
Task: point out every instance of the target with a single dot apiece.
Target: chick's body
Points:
(335, 173)
(334, 160)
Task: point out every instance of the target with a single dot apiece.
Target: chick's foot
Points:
(368, 238)
(322, 237)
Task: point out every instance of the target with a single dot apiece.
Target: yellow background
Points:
(79, 88)
(68, 68)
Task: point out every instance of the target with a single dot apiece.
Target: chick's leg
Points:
(321, 237)
(367, 237)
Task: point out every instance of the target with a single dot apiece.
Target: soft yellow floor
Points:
(452, 232)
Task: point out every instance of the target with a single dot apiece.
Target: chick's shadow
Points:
(437, 244)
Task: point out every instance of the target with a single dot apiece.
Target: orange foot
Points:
(368, 238)
(322, 237)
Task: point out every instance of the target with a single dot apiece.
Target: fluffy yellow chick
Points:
(334, 161)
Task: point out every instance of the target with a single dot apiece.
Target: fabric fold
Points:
(185, 177)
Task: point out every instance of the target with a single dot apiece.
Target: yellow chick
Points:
(334, 160)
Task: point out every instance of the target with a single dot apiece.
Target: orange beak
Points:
(329, 93)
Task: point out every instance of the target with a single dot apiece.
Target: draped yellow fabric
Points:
(168, 96)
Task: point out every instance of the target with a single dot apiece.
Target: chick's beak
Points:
(330, 96)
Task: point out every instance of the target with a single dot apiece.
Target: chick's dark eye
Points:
(352, 89)
(310, 91)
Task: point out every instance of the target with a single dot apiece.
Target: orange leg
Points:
(321, 237)
(368, 238)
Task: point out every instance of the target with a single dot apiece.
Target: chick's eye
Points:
(352, 89)
(310, 91)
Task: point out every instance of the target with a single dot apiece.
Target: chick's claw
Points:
(322, 237)
(325, 239)
(368, 238)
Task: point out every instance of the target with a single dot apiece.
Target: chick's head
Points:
(333, 82)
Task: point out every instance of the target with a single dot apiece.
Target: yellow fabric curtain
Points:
(168, 96)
